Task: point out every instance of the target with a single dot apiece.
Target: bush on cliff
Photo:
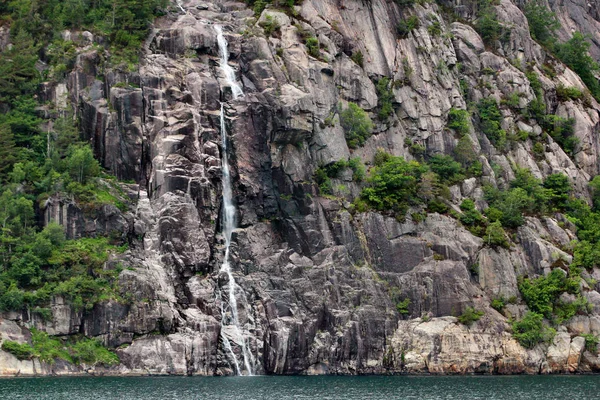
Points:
(394, 185)
(531, 330)
(357, 125)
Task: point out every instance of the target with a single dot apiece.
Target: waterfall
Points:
(229, 320)
(224, 64)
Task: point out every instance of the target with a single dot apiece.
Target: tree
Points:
(394, 185)
(17, 68)
(83, 165)
(7, 151)
(542, 22)
(595, 191)
(447, 169)
(495, 235)
(357, 125)
(559, 189)
(574, 54)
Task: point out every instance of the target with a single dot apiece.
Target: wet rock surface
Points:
(320, 282)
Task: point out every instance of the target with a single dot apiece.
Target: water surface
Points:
(298, 387)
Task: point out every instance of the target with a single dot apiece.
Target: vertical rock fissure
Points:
(230, 324)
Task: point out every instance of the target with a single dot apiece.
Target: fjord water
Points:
(298, 387)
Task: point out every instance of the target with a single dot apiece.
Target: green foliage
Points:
(323, 175)
(487, 24)
(562, 130)
(312, 46)
(407, 26)
(542, 22)
(498, 304)
(574, 54)
(22, 351)
(591, 342)
(558, 190)
(82, 351)
(568, 93)
(385, 98)
(542, 294)
(435, 29)
(495, 235)
(270, 25)
(490, 119)
(357, 125)
(394, 185)
(594, 186)
(402, 307)
(447, 169)
(459, 121)
(358, 58)
(91, 352)
(531, 330)
(469, 316)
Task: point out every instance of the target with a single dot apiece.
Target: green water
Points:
(323, 387)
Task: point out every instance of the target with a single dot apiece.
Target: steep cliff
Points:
(325, 286)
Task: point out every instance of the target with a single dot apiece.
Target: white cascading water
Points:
(230, 324)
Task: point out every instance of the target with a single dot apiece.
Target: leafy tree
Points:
(575, 55)
(18, 75)
(541, 294)
(531, 330)
(385, 98)
(7, 150)
(394, 185)
(490, 117)
(83, 165)
(542, 22)
(357, 125)
(487, 24)
(595, 191)
(447, 169)
(459, 121)
(469, 316)
(559, 190)
(495, 235)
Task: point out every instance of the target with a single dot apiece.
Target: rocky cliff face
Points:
(320, 281)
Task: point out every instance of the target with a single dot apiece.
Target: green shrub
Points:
(358, 169)
(542, 294)
(562, 130)
(270, 25)
(531, 330)
(357, 125)
(542, 22)
(495, 235)
(469, 316)
(591, 342)
(435, 29)
(407, 26)
(358, 58)
(447, 169)
(487, 24)
(385, 98)
(312, 46)
(91, 352)
(594, 186)
(394, 185)
(498, 304)
(402, 307)
(574, 54)
(490, 119)
(459, 121)
(568, 93)
(558, 190)
(22, 351)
